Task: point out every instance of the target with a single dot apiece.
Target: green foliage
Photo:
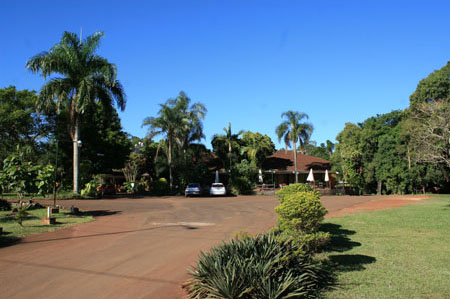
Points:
(293, 130)
(435, 87)
(90, 188)
(83, 79)
(45, 179)
(292, 189)
(19, 175)
(244, 177)
(301, 212)
(242, 185)
(136, 187)
(19, 122)
(378, 156)
(257, 147)
(349, 154)
(309, 243)
(323, 151)
(159, 187)
(181, 124)
(22, 213)
(227, 147)
(256, 267)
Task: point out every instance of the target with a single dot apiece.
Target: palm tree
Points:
(166, 124)
(191, 128)
(293, 130)
(180, 123)
(230, 140)
(83, 79)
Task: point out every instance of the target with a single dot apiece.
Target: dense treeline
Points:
(402, 151)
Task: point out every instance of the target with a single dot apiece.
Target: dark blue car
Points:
(193, 189)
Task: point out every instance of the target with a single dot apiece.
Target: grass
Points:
(398, 253)
(12, 231)
(59, 195)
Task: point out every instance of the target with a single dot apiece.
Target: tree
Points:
(86, 78)
(257, 147)
(348, 155)
(429, 126)
(189, 131)
(19, 122)
(231, 141)
(323, 151)
(430, 132)
(105, 145)
(436, 87)
(180, 123)
(293, 130)
(191, 117)
(166, 124)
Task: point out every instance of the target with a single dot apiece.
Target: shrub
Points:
(306, 243)
(159, 187)
(90, 189)
(301, 212)
(130, 186)
(260, 267)
(44, 179)
(135, 187)
(242, 185)
(293, 188)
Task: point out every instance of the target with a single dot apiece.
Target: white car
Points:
(217, 189)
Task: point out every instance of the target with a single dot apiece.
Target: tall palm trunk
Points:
(169, 158)
(75, 134)
(229, 156)
(295, 162)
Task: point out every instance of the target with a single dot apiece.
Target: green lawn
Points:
(12, 231)
(398, 253)
(59, 195)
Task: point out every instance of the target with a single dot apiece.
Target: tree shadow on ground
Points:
(340, 242)
(97, 213)
(8, 240)
(339, 238)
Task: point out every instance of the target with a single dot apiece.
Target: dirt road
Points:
(139, 248)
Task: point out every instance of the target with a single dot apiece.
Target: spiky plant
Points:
(258, 267)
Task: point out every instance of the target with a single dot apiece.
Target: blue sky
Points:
(247, 61)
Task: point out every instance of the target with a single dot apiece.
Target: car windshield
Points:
(217, 185)
(193, 185)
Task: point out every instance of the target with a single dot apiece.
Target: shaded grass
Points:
(12, 231)
(398, 253)
(59, 195)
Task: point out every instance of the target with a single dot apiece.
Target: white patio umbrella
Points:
(260, 177)
(327, 178)
(310, 177)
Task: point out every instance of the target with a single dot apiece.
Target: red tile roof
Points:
(284, 161)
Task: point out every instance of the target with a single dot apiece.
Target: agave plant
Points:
(260, 267)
